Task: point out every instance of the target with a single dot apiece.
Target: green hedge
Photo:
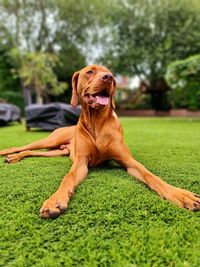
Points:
(10, 89)
(15, 98)
(184, 78)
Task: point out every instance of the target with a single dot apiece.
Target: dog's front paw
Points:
(55, 205)
(13, 158)
(183, 198)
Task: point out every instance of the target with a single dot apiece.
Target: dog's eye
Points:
(90, 72)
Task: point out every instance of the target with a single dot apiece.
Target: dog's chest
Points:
(103, 150)
(102, 142)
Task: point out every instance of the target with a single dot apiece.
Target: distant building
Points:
(125, 85)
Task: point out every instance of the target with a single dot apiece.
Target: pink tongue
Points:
(102, 100)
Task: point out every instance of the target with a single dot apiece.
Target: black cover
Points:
(51, 116)
(9, 113)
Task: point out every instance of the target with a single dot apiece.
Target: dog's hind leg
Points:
(55, 139)
(28, 153)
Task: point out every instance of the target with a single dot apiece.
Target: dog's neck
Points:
(93, 119)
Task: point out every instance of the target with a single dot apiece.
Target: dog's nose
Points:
(106, 77)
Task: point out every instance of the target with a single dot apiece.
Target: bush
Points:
(10, 89)
(184, 78)
(15, 98)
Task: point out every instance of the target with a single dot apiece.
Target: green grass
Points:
(112, 220)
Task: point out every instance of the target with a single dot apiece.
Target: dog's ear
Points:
(74, 99)
(113, 94)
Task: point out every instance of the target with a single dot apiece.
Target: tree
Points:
(35, 70)
(184, 78)
(30, 28)
(56, 27)
(45, 25)
(10, 90)
(147, 35)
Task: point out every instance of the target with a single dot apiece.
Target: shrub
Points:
(10, 89)
(15, 98)
(184, 78)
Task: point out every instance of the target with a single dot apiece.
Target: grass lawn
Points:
(112, 220)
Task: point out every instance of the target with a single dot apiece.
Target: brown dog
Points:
(97, 137)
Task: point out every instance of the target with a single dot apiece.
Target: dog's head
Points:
(95, 86)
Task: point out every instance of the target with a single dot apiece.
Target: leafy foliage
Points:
(10, 90)
(148, 35)
(36, 72)
(131, 37)
(184, 77)
(56, 27)
(6, 79)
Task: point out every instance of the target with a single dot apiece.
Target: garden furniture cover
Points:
(51, 116)
(9, 113)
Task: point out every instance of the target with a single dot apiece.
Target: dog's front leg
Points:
(178, 196)
(58, 202)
